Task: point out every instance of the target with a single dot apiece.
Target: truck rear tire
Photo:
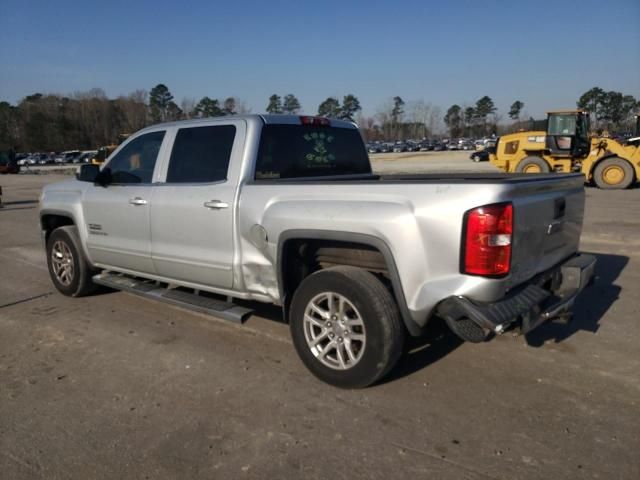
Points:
(613, 173)
(533, 164)
(346, 327)
(70, 272)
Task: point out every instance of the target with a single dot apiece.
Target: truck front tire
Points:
(346, 327)
(70, 272)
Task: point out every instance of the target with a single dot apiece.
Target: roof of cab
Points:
(269, 119)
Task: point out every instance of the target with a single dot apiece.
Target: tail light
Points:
(315, 121)
(487, 240)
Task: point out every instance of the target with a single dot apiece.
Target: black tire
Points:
(623, 174)
(378, 310)
(79, 281)
(533, 162)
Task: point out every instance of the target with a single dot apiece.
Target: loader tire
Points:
(533, 164)
(613, 173)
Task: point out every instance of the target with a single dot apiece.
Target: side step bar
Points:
(192, 301)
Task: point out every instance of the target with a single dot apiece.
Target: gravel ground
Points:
(115, 386)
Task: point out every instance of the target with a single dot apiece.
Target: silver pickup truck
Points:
(286, 210)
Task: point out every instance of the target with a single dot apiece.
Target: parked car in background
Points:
(426, 145)
(412, 146)
(386, 147)
(85, 157)
(480, 156)
(71, 155)
(373, 148)
(399, 147)
(483, 154)
(45, 159)
(8, 162)
(439, 147)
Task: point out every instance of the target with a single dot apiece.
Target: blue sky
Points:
(545, 53)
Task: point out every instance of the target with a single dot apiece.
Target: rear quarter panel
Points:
(421, 224)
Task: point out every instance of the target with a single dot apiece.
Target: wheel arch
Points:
(290, 239)
(52, 219)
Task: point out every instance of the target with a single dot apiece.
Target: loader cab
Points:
(568, 134)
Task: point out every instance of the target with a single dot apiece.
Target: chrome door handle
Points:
(216, 204)
(137, 201)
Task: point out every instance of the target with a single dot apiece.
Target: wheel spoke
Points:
(340, 355)
(323, 335)
(354, 322)
(326, 349)
(332, 304)
(357, 337)
(314, 321)
(348, 347)
(341, 309)
(323, 313)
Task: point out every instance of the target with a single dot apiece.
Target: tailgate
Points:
(547, 224)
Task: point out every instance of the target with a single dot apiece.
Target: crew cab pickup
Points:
(286, 210)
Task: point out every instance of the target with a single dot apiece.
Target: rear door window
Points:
(201, 154)
(296, 151)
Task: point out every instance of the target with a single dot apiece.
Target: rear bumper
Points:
(547, 296)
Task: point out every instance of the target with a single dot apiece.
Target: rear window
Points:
(295, 151)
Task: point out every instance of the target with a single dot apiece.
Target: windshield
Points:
(296, 151)
(562, 124)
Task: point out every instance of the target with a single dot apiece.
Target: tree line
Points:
(611, 110)
(86, 120)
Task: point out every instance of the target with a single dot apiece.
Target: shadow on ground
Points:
(18, 205)
(438, 341)
(591, 305)
(420, 352)
(21, 202)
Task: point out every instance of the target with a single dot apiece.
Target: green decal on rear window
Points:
(296, 151)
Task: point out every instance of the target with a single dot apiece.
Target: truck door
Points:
(117, 215)
(192, 215)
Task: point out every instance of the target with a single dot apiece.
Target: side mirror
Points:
(88, 173)
(104, 177)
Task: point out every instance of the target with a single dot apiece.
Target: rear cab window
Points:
(299, 151)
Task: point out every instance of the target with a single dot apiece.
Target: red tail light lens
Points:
(487, 242)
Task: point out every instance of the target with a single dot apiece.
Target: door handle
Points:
(137, 201)
(216, 204)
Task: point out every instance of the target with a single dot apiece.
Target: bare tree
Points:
(241, 107)
(188, 106)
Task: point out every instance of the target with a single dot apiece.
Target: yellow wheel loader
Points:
(104, 152)
(567, 146)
